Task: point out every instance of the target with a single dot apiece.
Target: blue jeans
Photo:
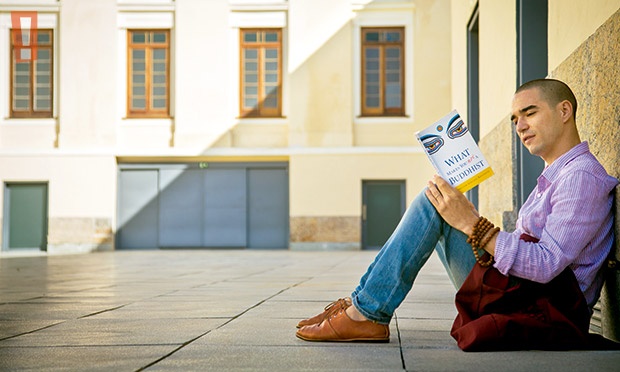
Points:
(390, 277)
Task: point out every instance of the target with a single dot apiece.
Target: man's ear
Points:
(566, 109)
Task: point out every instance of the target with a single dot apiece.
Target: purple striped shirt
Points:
(570, 211)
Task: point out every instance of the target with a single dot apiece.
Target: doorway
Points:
(25, 216)
(383, 205)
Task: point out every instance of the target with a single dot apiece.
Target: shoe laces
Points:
(334, 307)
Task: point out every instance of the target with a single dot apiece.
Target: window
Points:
(32, 76)
(261, 73)
(382, 72)
(148, 60)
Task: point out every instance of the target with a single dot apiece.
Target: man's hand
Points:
(452, 205)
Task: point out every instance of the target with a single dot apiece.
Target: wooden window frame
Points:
(382, 110)
(260, 45)
(148, 46)
(32, 113)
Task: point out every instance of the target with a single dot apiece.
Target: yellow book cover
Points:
(454, 153)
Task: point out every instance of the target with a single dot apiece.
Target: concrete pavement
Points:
(227, 310)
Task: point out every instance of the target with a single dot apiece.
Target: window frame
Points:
(149, 112)
(260, 112)
(382, 111)
(31, 113)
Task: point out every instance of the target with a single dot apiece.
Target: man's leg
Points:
(390, 277)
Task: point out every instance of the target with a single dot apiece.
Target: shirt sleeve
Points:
(578, 206)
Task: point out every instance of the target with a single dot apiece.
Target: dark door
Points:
(25, 213)
(383, 205)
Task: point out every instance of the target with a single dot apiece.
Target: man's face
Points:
(538, 125)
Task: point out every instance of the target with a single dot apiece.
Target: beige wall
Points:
(320, 74)
(571, 22)
(432, 62)
(331, 184)
(87, 73)
(498, 40)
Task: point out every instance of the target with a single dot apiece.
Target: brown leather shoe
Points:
(340, 304)
(340, 327)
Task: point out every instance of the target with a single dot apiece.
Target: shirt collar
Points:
(551, 172)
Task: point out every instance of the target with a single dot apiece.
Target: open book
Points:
(454, 153)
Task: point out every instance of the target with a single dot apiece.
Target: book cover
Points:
(453, 152)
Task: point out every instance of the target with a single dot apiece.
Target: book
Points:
(449, 145)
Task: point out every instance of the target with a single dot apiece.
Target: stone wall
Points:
(325, 233)
(593, 74)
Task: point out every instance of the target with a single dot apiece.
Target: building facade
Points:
(222, 123)
(145, 124)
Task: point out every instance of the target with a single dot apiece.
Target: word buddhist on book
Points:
(453, 152)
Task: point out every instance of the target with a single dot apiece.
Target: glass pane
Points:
(393, 65)
(372, 101)
(139, 66)
(43, 54)
(44, 91)
(251, 66)
(159, 37)
(159, 103)
(372, 36)
(22, 79)
(25, 54)
(20, 104)
(392, 36)
(372, 53)
(251, 53)
(372, 89)
(159, 54)
(392, 102)
(44, 37)
(139, 78)
(250, 37)
(138, 37)
(251, 78)
(271, 66)
(138, 54)
(392, 52)
(270, 90)
(22, 66)
(372, 65)
(392, 78)
(159, 67)
(43, 66)
(251, 90)
(43, 79)
(271, 53)
(250, 102)
(42, 104)
(271, 101)
(159, 91)
(372, 78)
(138, 91)
(138, 103)
(21, 91)
(271, 78)
(392, 89)
(159, 79)
(271, 37)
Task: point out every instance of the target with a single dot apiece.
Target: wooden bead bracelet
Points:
(481, 235)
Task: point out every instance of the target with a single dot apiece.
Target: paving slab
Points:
(227, 310)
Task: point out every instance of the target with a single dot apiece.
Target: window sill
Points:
(280, 120)
(147, 121)
(376, 120)
(29, 121)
